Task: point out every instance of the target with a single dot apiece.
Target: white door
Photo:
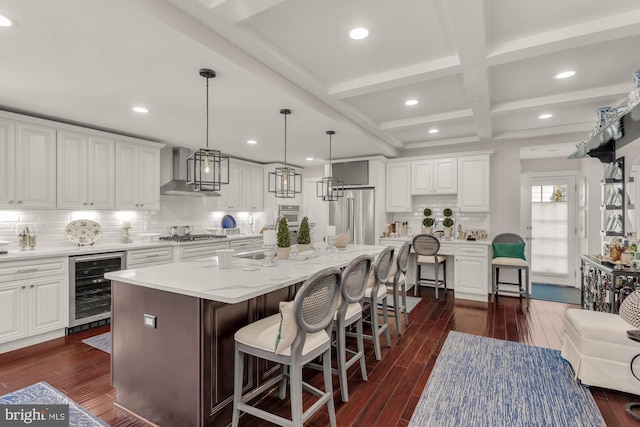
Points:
(72, 170)
(35, 166)
(7, 165)
(47, 304)
(12, 314)
(101, 173)
(149, 179)
(127, 174)
(553, 230)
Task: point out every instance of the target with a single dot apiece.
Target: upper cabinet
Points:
(137, 176)
(473, 183)
(434, 176)
(28, 166)
(86, 171)
(245, 191)
(398, 187)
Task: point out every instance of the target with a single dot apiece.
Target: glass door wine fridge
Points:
(89, 291)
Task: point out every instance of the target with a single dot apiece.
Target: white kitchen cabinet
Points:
(200, 251)
(86, 171)
(434, 176)
(137, 176)
(28, 163)
(252, 187)
(473, 183)
(34, 298)
(471, 272)
(231, 194)
(248, 244)
(147, 257)
(398, 187)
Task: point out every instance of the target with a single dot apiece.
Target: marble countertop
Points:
(408, 239)
(246, 279)
(69, 249)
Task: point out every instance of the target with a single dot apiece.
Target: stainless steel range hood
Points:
(178, 185)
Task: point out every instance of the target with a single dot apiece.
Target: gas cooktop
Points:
(192, 237)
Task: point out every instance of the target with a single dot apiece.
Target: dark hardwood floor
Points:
(387, 399)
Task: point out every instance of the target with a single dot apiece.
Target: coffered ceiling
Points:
(482, 71)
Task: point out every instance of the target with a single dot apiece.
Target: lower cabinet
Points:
(199, 252)
(30, 307)
(471, 272)
(139, 258)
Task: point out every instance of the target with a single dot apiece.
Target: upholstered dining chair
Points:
(508, 253)
(398, 286)
(426, 248)
(376, 294)
(301, 333)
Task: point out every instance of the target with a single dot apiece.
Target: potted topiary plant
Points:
(284, 240)
(427, 222)
(304, 235)
(447, 223)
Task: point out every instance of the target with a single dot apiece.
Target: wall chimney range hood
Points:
(614, 136)
(178, 185)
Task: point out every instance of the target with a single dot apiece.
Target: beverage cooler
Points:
(89, 291)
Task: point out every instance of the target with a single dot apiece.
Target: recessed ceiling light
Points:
(140, 109)
(359, 33)
(433, 130)
(411, 102)
(252, 141)
(564, 75)
(309, 159)
(545, 116)
(5, 22)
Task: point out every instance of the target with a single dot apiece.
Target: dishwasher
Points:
(89, 291)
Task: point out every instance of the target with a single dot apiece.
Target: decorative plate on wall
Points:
(83, 232)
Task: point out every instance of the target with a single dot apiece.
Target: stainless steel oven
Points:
(89, 291)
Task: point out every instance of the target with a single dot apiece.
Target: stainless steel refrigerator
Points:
(354, 213)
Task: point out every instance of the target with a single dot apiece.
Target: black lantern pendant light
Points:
(330, 188)
(285, 182)
(207, 169)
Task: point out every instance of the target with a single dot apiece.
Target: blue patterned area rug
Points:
(101, 342)
(43, 394)
(480, 381)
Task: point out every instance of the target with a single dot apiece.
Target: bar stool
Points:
(508, 253)
(353, 286)
(301, 333)
(398, 287)
(375, 294)
(426, 248)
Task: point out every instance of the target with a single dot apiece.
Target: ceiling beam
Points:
(439, 142)
(569, 98)
(577, 128)
(467, 24)
(584, 34)
(423, 120)
(424, 71)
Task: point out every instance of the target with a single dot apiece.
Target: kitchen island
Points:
(173, 325)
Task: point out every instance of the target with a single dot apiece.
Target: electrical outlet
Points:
(150, 321)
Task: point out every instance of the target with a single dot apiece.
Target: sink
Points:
(250, 255)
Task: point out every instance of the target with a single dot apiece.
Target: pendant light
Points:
(285, 182)
(330, 188)
(207, 169)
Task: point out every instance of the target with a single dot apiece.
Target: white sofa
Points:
(597, 347)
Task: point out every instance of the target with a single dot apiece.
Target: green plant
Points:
(447, 212)
(427, 212)
(284, 240)
(428, 222)
(304, 237)
(447, 222)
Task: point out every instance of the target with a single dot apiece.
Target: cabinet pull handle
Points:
(152, 255)
(29, 270)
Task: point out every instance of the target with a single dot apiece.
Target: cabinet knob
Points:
(137, 204)
(19, 202)
(32, 286)
(10, 201)
(23, 286)
(141, 204)
(91, 203)
(85, 203)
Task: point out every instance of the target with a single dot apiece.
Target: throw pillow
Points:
(630, 309)
(288, 327)
(508, 250)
